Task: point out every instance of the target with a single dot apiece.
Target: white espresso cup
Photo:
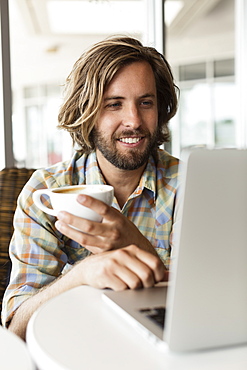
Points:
(64, 199)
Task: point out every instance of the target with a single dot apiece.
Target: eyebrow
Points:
(148, 95)
(113, 98)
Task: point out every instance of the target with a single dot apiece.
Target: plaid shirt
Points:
(40, 253)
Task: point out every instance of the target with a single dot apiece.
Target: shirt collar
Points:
(148, 179)
(93, 172)
(93, 175)
(88, 170)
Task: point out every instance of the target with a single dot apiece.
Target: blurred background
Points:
(203, 40)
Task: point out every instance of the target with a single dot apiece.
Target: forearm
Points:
(23, 314)
(124, 268)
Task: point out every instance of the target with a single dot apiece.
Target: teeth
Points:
(130, 140)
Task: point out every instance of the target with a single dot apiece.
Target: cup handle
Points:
(37, 201)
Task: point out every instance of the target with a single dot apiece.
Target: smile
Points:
(130, 140)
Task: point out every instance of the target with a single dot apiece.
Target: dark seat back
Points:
(12, 181)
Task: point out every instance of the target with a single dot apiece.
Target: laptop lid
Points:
(207, 302)
(207, 297)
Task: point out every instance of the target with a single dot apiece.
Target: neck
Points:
(123, 181)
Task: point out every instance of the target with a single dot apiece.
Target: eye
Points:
(114, 105)
(147, 103)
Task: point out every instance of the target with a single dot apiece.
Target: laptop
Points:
(204, 305)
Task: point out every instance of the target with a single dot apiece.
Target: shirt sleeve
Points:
(36, 248)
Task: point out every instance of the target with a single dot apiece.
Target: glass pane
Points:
(224, 68)
(195, 115)
(34, 136)
(192, 72)
(225, 113)
(47, 37)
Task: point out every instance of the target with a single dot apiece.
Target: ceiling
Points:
(36, 13)
(44, 45)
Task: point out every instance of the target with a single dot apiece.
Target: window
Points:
(195, 71)
(207, 105)
(47, 37)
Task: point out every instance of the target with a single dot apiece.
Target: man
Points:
(119, 99)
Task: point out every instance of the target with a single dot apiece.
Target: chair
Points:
(12, 181)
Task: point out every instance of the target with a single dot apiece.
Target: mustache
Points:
(128, 133)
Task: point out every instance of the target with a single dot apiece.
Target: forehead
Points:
(137, 76)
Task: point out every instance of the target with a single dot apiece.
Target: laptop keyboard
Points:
(156, 314)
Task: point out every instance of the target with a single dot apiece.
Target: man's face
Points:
(126, 129)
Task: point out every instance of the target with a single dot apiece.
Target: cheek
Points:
(152, 120)
(107, 122)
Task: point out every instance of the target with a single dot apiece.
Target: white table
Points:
(78, 330)
(13, 352)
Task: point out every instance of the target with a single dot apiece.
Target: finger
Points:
(166, 275)
(94, 244)
(124, 268)
(68, 230)
(130, 279)
(114, 283)
(135, 273)
(152, 261)
(98, 206)
(87, 226)
(100, 272)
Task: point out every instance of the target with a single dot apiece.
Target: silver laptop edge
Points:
(207, 297)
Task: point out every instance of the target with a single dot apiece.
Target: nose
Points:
(132, 117)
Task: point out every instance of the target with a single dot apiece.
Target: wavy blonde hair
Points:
(93, 72)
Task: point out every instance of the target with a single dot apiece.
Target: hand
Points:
(114, 232)
(129, 267)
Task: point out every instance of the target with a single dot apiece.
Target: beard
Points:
(133, 158)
